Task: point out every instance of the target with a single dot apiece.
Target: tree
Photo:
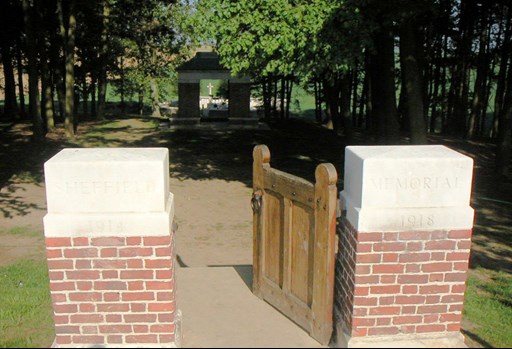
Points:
(103, 58)
(67, 22)
(30, 11)
(412, 79)
(152, 41)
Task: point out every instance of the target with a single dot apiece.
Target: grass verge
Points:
(25, 305)
(488, 305)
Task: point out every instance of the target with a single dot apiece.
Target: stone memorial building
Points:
(206, 65)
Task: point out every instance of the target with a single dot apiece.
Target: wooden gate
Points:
(294, 226)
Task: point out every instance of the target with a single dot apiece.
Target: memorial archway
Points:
(206, 65)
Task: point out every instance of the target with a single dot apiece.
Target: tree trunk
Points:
(93, 95)
(506, 48)
(155, 102)
(46, 85)
(282, 98)
(435, 98)
(481, 77)
(444, 96)
(141, 99)
(363, 101)
(461, 86)
(384, 113)
(19, 68)
(355, 85)
(402, 105)
(289, 88)
(46, 78)
(33, 75)
(412, 81)
(332, 99)
(85, 95)
(274, 96)
(121, 68)
(371, 124)
(504, 144)
(346, 115)
(102, 74)
(267, 97)
(10, 104)
(318, 102)
(67, 31)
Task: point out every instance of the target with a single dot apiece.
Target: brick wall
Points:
(112, 290)
(410, 282)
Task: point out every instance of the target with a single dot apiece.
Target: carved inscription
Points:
(417, 221)
(107, 187)
(105, 226)
(415, 183)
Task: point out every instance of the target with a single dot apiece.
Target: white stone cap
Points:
(388, 188)
(110, 224)
(407, 176)
(102, 180)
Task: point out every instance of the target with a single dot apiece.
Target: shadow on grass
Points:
(476, 338)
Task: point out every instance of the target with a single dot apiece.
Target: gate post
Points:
(405, 238)
(110, 248)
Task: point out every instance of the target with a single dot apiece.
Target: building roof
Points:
(203, 61)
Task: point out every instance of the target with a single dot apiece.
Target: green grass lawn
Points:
(25, 305)
(488, 305)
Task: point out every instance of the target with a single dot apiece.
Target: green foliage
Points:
(153, 41)
(262, 37)
(25, 310)
(302, 39)
(489, 306)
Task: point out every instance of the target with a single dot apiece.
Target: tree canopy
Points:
(388, 69)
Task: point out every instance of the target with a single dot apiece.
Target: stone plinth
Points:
(405, 238)
(110, 248)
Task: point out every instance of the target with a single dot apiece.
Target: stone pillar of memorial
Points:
(239, 98)
(110, 248)
(404, 245)
(188, 99)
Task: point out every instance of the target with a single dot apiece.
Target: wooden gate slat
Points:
(273, 251)
(325, 233)
(301, 245)
(289, 186)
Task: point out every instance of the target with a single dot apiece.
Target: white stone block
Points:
(110, 224)
(106, 180)
(389, 188)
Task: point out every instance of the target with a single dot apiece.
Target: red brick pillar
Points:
(404, 247)
(110, 248)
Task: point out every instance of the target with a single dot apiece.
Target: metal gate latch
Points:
(256, 202)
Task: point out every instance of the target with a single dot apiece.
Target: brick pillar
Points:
(110, 248)
(404, 247)
(188, 100)
(239, 99)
